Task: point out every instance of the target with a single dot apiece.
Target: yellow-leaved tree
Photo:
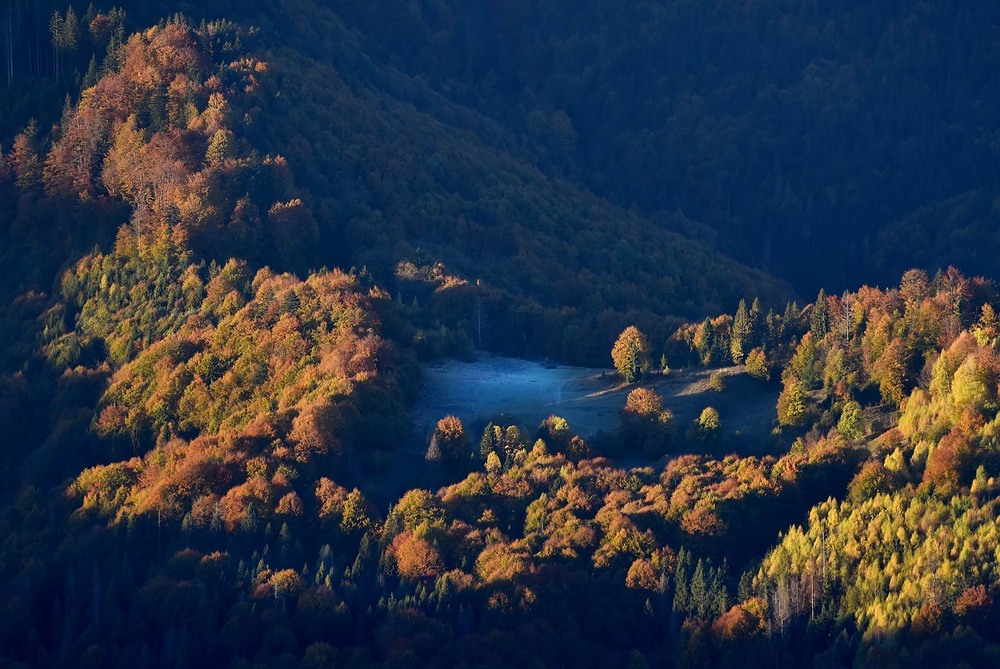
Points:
(631, 354)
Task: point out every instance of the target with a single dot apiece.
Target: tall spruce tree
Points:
(741, 333)
(757, 332)
(819, 321)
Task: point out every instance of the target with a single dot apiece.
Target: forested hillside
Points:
(803, 138)
(233, 232)
(375, 169)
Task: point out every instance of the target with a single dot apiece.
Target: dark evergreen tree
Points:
(742, 333)
(819, 319)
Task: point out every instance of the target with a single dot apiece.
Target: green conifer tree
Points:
(819, 321)
(742, 332)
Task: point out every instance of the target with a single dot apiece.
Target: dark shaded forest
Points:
(232, 233)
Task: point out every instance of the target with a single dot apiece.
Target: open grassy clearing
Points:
(513, 391)
(590, 399)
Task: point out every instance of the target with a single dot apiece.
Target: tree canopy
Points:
(631, 354)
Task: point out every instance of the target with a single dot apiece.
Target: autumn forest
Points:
(244, 244)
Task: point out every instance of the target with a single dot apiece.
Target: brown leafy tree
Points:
(415, 556)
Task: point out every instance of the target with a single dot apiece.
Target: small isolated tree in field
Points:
(708, 421)
(664, 366)
(451, 440)
(631, 354)
(646, 425)
(643, 402)
(707, 430)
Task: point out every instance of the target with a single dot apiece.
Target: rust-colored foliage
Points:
(314, 430)
(944, 466)
(290, 505)
(973, 601)
(216, 378)
(736, 624)
(330, 498)
(643, 402)
(415, 556)
(927, 624)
